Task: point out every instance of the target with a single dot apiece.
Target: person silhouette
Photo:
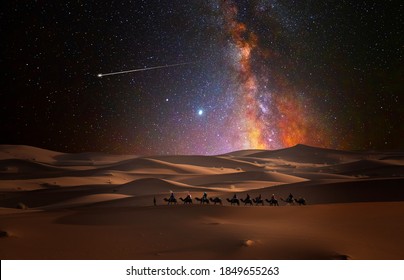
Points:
(171, 196)
(188, 196)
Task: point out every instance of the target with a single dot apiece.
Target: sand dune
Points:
(368, 167)
(241, 176)
(217, 162)
(321, 175)
(336, 231)
(84, 200)
(153, 186)
(241, 186)
(243, 153)
(154, 166)
(90, 158)
(98, 206)
(27, 153)
(19, 166)
(394, 159)
(340, 191)
(307, 154)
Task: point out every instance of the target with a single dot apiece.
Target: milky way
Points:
(263, 118)
(265, 74)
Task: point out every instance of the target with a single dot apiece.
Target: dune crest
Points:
(64, 206)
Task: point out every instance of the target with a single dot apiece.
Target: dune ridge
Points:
(47, 197)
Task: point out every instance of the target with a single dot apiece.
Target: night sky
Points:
(262, 74)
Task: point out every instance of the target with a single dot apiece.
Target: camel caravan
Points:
(290, 200)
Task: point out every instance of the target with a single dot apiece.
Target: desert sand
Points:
(98, 206)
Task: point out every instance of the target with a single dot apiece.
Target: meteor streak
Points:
(142, 69)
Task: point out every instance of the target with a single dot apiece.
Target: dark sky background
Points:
(262, 74)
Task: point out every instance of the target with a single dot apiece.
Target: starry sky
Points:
(258, 74)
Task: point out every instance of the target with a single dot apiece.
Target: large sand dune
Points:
(97, 206)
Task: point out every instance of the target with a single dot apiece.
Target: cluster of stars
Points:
(265, 74)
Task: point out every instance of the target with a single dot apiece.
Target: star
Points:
(260, 74)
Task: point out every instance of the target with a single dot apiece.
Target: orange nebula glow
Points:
(281, 120)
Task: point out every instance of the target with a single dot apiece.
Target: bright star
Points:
(200, 112)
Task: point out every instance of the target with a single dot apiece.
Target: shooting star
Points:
(142, 69)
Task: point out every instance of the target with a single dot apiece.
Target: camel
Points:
(187, 200)
(288, 200)
(300, 201)
(272, 202)
(247, 201)
(171, 200)
(202, 200)
(216, 200)
(258, 201)
(233, 201)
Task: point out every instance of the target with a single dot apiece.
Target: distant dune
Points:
(28, 153)
(101, 206)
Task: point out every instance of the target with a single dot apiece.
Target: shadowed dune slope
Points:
(307, 154)
(367, 167)
(27, 153)
(211, 161)
(341, 191)
(243, 153)
(192, 232)
(84, 200)
(20, 166)
(97, 206)
(241, 176)
(150, 165)
(153, 186)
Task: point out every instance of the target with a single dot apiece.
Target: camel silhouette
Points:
(216, 200)
(288, 201)
(247, 201)
(272, 202)
(300, 201)
(202, 200)
(171, 200)
(258, 200)
(233, 201)
(187, 200)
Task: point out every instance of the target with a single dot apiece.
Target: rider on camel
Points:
(171, 195)
(188, 196)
